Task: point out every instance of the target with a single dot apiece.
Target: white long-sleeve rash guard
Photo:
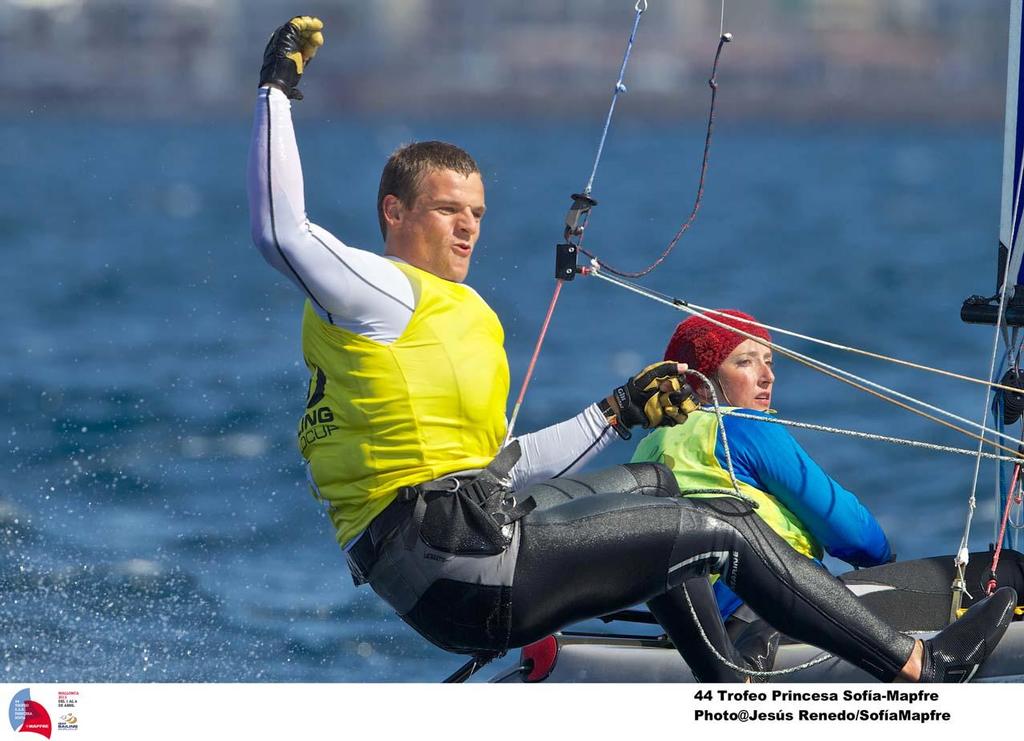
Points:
(364, 292)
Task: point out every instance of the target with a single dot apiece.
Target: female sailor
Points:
(811, 511)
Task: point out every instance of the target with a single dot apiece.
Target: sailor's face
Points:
(438, 232)
(746, 376)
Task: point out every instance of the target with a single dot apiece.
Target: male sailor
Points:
(481, 547)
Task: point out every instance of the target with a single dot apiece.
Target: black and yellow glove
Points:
(289, 51)
(655, 397)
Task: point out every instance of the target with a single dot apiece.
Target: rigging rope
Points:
(576, 229)
(963, 552)
(723, 39)
(870, 436)
(854, 350)
(533, 362)
(1010, 500)
(839, 374)
(620, 87)
(1011, 360)
(579, 213)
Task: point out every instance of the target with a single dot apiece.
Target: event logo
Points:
(28, 716)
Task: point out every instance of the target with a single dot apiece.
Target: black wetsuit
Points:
(603, 542)
(916, 595)
(910, 595)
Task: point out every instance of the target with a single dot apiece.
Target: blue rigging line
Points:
(620, 87)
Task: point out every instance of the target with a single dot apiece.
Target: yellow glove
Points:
(654, 397)
(288, 52)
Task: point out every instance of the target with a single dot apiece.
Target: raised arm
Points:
(347, 286)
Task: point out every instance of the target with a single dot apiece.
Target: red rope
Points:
(1010, 499)
(533, 360)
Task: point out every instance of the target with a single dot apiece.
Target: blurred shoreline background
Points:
(791, 59)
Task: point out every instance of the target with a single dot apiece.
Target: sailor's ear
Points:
(391, 206)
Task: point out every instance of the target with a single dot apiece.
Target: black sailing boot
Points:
(955, 654)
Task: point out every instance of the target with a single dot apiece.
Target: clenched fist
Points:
(288, 52)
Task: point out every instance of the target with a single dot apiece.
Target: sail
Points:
(985, 309)
(1007, 310)
(1013, 147)
(1011, 208)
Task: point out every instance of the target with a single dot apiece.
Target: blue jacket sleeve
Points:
(768, 457)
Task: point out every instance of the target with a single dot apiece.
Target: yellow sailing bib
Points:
(689, 450)
(382, 416)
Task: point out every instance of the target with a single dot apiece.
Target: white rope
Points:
(746, 670)
(725, 445)
(963, 557)
(868, 436)
(856, 350)
(814, 363)
(735, 492)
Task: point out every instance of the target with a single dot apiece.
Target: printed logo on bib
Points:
(316, 391)
(317, 422)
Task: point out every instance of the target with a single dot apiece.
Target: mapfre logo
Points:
(28, 716)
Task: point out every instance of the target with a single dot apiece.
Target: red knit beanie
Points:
(703, 345)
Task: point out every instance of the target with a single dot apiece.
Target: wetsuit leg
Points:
(803, 599)
(631, 478)
(915, 595)
(456, 593)
(935, 574)
(672, 611)
(605, 552)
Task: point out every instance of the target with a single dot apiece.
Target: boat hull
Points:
(588, 659)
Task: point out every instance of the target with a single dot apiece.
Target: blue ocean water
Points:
(154, 521)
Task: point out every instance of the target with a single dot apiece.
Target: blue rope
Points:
(620, 87)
